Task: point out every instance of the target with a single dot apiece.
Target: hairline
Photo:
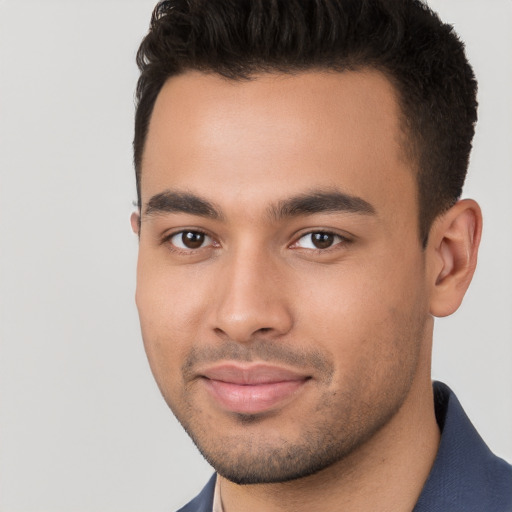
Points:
(408, 142)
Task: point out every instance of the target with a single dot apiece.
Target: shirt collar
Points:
(466, 475)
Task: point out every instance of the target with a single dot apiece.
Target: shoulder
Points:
(203, 502)
(466, 475)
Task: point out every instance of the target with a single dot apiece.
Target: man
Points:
(299, 166)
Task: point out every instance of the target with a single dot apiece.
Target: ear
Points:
(135, 222)
(452, 252)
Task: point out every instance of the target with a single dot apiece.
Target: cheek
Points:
(171, 307)
(368, 318)
(169, 296)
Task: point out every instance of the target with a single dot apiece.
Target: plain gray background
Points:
(82, 424)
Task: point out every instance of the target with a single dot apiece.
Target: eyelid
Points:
(344, 239)
(166, 239)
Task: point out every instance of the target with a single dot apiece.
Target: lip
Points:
(252, 389)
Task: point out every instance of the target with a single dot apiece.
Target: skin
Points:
(355, 316)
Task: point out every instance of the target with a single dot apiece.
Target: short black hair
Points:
(404, 39)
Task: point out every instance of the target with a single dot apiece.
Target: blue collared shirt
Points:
(466, 475)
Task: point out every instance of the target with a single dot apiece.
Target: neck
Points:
(387, 473)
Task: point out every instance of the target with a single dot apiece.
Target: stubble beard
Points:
(340, 424)
(347, 414)
(245, 459)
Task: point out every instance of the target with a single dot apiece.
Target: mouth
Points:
(253, 388)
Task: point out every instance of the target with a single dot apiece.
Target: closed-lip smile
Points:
(251, 388)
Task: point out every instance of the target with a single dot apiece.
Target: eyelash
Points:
(343, 241)
(167, 240)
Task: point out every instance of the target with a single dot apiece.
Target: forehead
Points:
(277, 134)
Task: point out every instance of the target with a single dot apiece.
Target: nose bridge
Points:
(249, 299)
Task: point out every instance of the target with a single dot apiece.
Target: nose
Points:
(250, 298)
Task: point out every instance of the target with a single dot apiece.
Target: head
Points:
(298, 169)
(421, 56)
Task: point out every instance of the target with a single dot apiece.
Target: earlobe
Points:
(453, 250)
(135, 222)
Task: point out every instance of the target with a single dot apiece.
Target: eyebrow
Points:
(330, 201)
(181, 202)
(320, 201)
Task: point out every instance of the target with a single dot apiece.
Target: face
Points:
(281, 282)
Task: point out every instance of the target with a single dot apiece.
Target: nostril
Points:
(241, 322)
(262, 330)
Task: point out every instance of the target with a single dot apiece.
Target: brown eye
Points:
(190, 240)
(319, 240)
(322, 240)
